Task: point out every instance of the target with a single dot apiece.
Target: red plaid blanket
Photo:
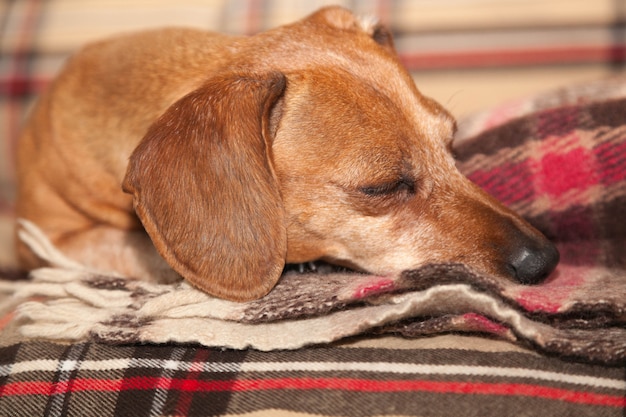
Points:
(564, 169)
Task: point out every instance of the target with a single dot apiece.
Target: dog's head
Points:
(317, 145)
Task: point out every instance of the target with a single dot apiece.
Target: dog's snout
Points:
(531, 262)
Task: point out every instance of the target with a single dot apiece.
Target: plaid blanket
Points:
(562, 168)
(94, 380)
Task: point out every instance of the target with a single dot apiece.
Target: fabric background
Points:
(467, 54)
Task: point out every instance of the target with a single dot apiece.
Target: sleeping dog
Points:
(180, 152)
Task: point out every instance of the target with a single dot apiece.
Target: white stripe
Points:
(170, 366)
(32, 366)
(407, 368)
(374, 367)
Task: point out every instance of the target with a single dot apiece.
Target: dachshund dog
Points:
(179, 152)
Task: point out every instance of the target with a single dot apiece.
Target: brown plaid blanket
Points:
(95, 380)
(562, 168)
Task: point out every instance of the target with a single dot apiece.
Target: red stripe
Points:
(507, 57)
(19, 86)
(186, 396)
(304, 384)
(254, 17)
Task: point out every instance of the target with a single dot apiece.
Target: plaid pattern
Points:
(563, 169)
(87, 379)
(43, 379)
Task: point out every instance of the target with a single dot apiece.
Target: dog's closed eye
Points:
(401, 185)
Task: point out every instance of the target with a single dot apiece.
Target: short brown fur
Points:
(232, 156)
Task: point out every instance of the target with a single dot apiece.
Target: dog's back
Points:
(74, 150)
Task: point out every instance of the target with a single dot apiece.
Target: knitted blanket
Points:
(563, 169)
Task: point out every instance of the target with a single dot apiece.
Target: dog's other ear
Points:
(204, 188)
(337, 16)
(382, 36)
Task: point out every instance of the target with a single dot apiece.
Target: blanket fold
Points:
(564, 169)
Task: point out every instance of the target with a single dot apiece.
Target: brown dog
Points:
(238, 155)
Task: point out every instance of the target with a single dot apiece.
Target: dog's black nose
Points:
(532, 263)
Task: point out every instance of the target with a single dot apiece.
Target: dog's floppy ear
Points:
(204, 188)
